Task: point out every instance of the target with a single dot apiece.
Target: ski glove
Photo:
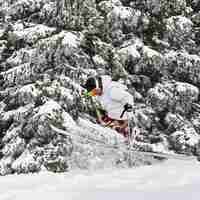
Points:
(128, 107)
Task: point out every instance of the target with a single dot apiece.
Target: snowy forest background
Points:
(49, 47)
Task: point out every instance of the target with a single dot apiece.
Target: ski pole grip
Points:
(122, 114)
(127, 108)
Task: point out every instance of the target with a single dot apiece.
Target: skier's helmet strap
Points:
(99, 80)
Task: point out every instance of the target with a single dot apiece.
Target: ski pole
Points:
(130, 162)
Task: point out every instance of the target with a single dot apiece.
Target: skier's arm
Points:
(122, 96)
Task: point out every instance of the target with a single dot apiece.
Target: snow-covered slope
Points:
(48, 48)
(167, 180)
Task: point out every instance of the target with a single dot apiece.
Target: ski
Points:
(123, 147)
(164, 155)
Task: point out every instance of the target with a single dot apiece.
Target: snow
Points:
(29, 89)
(11, 134)
(99, 60)
(183, 23)
(159, 147)
(49, 107)
(131, 52)
(68, 121)
(32, 34)
(123, 12)
(190, 137)
(7, 115)
(182, 87)
(70, 39)
(98, 132)
(10, 70)
(173, 54)
(66, 80)
(23, 160)
(150, 52)
(116, 2)
(172, 179)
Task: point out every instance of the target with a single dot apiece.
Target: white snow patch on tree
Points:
(49, 107)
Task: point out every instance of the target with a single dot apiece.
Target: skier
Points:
(114, 98)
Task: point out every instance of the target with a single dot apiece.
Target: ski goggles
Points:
(92, 93)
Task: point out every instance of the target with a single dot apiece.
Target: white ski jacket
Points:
(114, 97)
